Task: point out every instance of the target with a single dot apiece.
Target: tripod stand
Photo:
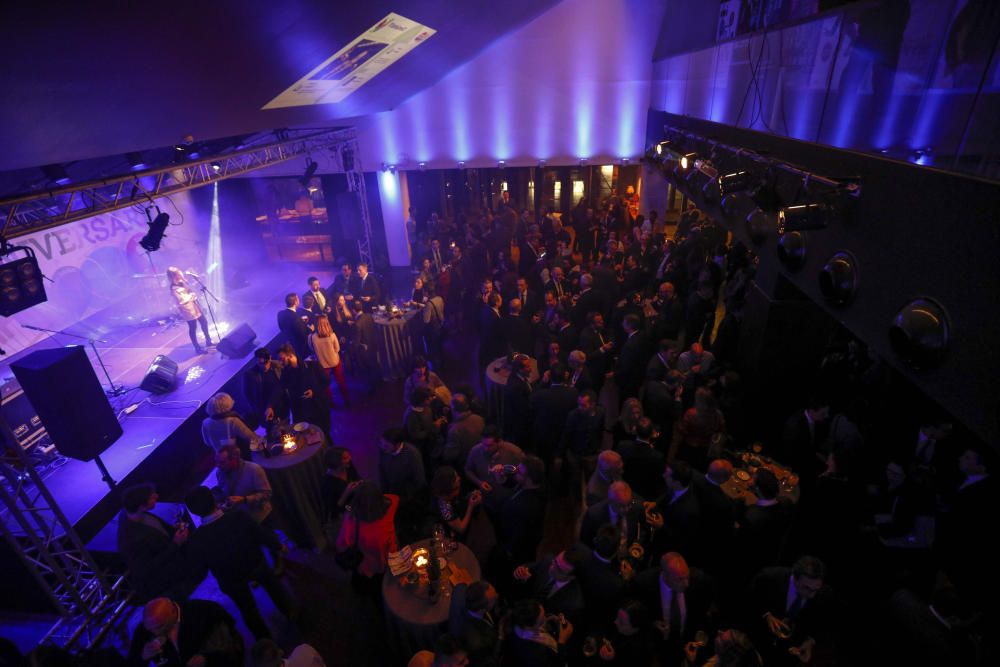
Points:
(113, 389)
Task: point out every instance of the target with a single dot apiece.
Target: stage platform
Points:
(161, 441)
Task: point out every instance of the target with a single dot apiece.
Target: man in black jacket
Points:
(230, 546)
(305, 384)
(154, 550)
(622, 510)
(632, 361)
(679, 525)
(643, 461)
(548, 408)
(596, 342)
(293, 326)
(368, 288)
(516, 397)
(473, 620)
(521, 517)
(552, 581)
(602, 582)
(518, 330)
(263, 389)
(186, 634)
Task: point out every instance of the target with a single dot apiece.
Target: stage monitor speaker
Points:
(238, 343)
(63, 388)
(161, 376)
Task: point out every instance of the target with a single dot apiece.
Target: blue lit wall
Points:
(913, 79)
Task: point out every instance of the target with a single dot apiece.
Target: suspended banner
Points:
(356, 64)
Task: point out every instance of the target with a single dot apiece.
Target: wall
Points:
(914, 79)
(917, 232)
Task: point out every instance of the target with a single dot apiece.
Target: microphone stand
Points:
(208, 301)
(113, 389)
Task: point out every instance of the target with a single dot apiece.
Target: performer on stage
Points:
(187, 306)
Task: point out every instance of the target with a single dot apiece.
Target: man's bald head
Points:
(610, 461)
(619, 495)
(675, 570)
(160, 615)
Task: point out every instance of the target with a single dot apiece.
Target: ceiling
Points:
(81, 82)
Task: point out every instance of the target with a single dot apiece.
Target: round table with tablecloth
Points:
(413, 622)
(397, 340)
(497, 373)
(739, 486)
(296, 480)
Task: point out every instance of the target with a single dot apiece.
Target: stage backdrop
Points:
(96, 264)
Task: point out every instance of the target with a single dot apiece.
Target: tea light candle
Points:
(420, 559)
(288, 442)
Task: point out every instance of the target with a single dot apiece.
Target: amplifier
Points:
(22, 418)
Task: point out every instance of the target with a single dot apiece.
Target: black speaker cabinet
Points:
(63, 388)
(238, 343)
(161, 376)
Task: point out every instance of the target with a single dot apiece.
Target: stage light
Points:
(21, 284)
(792, 250)
(216, 167)
(422, 165)
(838, 279)
(687, 161)
(624, 161)
(135, 161)
(661, 147)
(757, 226)
(151, 241)
(803, 216)
(739, 181)
(920, 333)
(311, 167)
(541, 164)
(461, 164)
(56, 173)
(392, 169)
(502, 163)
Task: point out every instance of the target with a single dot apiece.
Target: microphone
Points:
(192, 274)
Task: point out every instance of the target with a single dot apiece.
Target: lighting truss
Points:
(89, 603)
(356, 184)
(23, 214)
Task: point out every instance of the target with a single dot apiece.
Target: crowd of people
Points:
(624, 406)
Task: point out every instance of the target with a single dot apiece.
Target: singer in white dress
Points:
(188, 308)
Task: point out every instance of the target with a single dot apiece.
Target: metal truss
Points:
(24, 214)
(356, 184)
(89, 603)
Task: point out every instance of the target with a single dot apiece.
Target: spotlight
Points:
(792, 250)
(56, 173)
(838, 279)
(757, 226)
(151, 241)
(422, 165)
(135, 161)
(583, 161)
(384, 167)
(624, 161)
(661, 147)
(541, 164)
(392, 169)
(461, 164)
(803, 216)
(502, 163)
(688, 160)
(216, 167)
(921, 333)
(739, 181)
(20, 281)
(311, 167)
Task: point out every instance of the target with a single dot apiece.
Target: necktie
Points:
(488, 619)
(599, 336)
(559, 292)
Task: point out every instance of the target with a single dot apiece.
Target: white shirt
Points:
(970, 480)
(792, 593)
(666, 599)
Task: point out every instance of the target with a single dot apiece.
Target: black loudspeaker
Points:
(63, 388)
(161, 376)
(238, 343)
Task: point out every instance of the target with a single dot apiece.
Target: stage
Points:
(161, 441)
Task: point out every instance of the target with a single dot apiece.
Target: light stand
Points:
(113, 389)
(208, 300)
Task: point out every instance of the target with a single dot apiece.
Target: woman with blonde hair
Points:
(224, 427)
(326, 347)
(187, 307)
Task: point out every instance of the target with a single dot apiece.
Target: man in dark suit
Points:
(552, 581)
(643, 462)
(473, 620)
(531, 643)
(579, 376)
(563, 330)
(528, 261)
(230, 546)
(669, 313)
(521, 516)
(492, 344)
(368, 288)
(293, 327)
(764, 525)
(602, 582)
(153, 550)
(792, 614)
(557, 283)
(346, 283)
(632, 361)
(718, 514)
(518, 330)
(263, 389)
(803, 437)
(621, 510)
(596, 343)
(195, 632)
(531, 301)
(581, 437)
(681, 599)
(364, 345)
(516, 398)
(548, 409)
(678, 527)
(322, 305)
(589, 301)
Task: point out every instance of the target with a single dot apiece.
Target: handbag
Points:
(350, 558)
